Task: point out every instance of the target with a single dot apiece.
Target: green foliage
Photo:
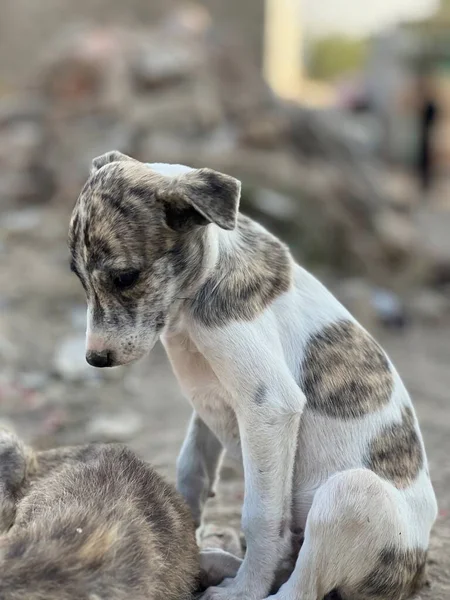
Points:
(335, 55)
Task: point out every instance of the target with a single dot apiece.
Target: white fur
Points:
(302, 469)
(291, 456)
(169, 170)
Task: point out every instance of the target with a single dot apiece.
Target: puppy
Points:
(280, 375)
(91, 523)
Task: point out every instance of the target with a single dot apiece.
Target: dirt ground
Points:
(51, 397)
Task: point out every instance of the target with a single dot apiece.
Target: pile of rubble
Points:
(180, 93)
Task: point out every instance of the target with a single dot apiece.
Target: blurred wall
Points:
(27, 25)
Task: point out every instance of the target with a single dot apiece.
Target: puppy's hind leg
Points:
(15, 461)
(353, 544)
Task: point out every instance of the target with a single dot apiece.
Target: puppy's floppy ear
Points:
(107, 158)
(215, 196)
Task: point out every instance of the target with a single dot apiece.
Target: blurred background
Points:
(335, 114)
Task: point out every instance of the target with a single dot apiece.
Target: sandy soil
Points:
(51, 404)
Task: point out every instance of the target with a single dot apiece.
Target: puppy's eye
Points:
(126, 280)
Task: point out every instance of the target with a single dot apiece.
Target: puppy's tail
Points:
(16, 462)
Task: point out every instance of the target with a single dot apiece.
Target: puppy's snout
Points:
(100, 359)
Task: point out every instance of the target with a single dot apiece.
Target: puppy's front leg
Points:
(197, 466)
(269, 441)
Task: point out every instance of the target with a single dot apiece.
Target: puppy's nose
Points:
(99, 359)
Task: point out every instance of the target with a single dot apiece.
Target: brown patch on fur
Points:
(396, 453)
(96, 522)
(98, 544)
(398, 575)
(246, 280)
(345, 373)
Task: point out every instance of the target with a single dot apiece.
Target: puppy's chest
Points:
(222, 421)
(203, 389)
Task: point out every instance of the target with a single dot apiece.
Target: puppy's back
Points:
(96, 522)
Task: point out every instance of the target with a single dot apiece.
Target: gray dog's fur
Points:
(91, 523)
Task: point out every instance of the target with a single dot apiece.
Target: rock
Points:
(429, 306)
(120, 427)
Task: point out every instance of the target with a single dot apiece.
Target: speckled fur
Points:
(280, 376)
(396, 453)
(334, 389)
(397, 574)
(92, 522)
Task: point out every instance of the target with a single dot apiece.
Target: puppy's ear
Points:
(109, 157)
(213, 196)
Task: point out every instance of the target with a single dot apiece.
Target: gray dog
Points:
(95, 522)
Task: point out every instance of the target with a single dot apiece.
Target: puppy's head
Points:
(136, 241)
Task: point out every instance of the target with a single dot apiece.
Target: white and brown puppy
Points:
(278, 372)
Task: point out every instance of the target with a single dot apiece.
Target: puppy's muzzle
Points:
(100, 359)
